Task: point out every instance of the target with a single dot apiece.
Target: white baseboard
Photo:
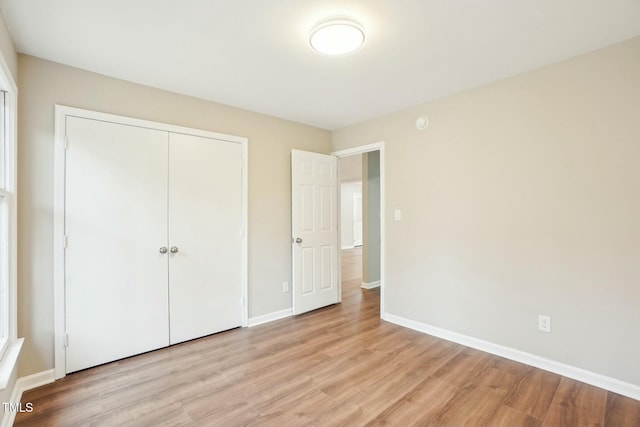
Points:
(573, 372)
(36, 380)
(370, 285)
(347, 247)
(270, 317)
(23, 384)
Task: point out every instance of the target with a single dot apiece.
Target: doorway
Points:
(361, 219)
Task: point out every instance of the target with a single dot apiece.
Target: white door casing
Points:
(115, 215)
(205, 227)
(377, 146)
(314, 230)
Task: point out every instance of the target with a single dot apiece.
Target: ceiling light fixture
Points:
(337, 37)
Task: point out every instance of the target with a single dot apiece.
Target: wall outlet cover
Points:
(544, 323)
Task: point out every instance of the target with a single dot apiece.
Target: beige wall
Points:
(347, 229)
(351, 183)
(351, 168)
(522, 198)
(43, 84)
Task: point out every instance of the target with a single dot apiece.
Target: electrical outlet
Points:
(285, 286)
(544, 323)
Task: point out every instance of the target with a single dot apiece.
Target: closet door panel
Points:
(116, 287)
(205, 274)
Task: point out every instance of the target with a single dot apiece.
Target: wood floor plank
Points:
(534, 392)
(309, 405)
(420, 407)
(345, 413)
(150, 412)
(434, 355)
(505, 416)
(464, 367)
(240, 414)
(622, 411)
(577, 403)
(384, 392)
(350, 382)
(215, 402)
(338, 366)
(279, 395)
(471, 406)
(280, 419)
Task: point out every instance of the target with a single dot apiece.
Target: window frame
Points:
(9, 347)
(4, 231)
(4, 276)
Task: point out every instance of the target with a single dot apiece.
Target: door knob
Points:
(298, 240)
(174, 249)
(163, 250)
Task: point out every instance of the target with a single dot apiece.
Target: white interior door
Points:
(315, 231)
(357, 219)
(115, 222)
(205, 234)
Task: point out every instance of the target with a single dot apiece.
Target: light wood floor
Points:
(339, 366)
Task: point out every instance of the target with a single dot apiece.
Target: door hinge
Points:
(66, 143)
(242, 302)
(66, 340)
(65, 242)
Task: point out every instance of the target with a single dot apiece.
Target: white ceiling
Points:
(254, 54)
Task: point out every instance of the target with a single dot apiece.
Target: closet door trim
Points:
(60, 144)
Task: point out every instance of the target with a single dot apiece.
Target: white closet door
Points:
(115, 222)
(205, 214)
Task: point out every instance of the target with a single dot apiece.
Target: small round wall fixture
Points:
(422, 122)
(337, 37)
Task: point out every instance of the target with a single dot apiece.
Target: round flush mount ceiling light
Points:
(337, 37)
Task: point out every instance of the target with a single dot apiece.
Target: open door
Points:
(314, 188)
